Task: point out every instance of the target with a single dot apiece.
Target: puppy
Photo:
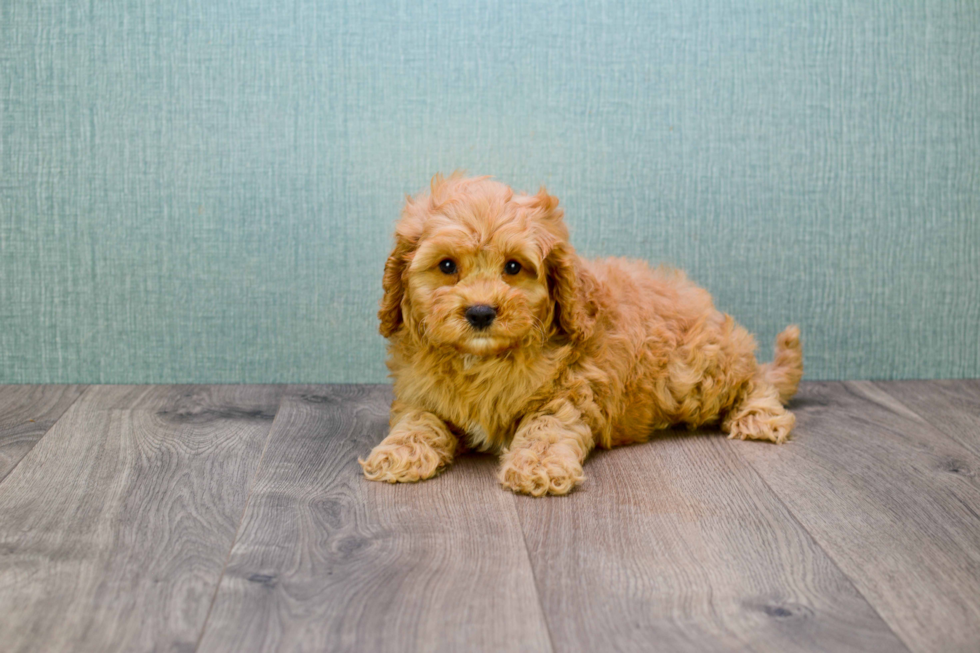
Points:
(502, 339)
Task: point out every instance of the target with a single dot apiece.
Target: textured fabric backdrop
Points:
(205, 191)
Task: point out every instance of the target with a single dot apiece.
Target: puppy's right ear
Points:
(407, 235)
(393, 283)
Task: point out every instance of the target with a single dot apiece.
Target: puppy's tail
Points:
(786, 368)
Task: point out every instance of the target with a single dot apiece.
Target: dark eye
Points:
(512, 267)
(448, 266)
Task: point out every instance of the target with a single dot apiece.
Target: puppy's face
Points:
(482, 293)
(471, 267)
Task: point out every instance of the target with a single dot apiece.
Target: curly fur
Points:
(581, 354)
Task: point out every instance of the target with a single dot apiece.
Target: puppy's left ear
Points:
(571, 289)
(570, 285)
(393, 283)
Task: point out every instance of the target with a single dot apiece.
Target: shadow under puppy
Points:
(502, 339)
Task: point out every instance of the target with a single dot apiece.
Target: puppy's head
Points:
(482, 269)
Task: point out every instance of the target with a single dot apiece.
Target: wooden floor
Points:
(235, 518)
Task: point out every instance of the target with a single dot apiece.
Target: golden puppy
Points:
(501, 338)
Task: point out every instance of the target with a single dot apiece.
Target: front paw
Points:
(541, 469)
(404, 459)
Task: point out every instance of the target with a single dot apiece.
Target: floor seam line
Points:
(241, 521)
(928, 422)
(45, 434)
(534, 576)
(820, 546)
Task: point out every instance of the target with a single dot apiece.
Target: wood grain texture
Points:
(951, 406)
(26, 414)
(862, 533)
(115, 527)
(893, 501)
(676, 545)
(329, 561)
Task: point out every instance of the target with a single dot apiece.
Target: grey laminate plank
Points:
(328, 561)
(115, 527)
(26, 414)
(893, 501)
(677, 545)
(951, 406)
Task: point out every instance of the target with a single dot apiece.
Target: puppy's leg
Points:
(418, 446)
(547, 452)
(758, 414)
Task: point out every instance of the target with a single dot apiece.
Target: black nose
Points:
(480, 315)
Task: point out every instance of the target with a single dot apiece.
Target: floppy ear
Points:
(393, 283)
(570, 287)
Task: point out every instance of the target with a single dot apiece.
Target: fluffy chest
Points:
(486, 407)
(483, 400)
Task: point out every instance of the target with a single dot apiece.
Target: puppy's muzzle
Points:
(480, 316)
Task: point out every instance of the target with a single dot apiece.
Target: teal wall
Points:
(205, 191)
